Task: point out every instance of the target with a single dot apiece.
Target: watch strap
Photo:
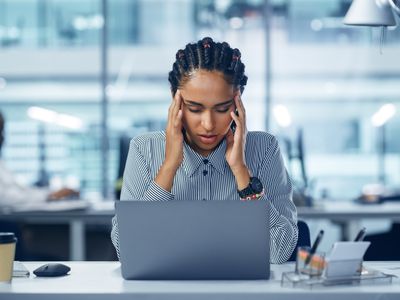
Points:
(248, 193)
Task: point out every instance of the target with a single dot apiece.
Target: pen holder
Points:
(312, 266)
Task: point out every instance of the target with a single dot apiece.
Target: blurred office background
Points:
(309, 75)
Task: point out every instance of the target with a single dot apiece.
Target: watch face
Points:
(256, 185)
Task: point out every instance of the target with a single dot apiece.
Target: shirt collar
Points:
(192, 160)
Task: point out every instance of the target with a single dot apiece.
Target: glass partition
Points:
(329, 78)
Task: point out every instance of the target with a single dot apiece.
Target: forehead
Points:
(207, 87)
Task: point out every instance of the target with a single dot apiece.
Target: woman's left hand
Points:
(236, 143)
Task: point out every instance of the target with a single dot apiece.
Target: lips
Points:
(208, 139)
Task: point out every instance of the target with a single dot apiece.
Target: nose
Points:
(207, 121)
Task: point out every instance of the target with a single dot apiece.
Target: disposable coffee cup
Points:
(8, 242)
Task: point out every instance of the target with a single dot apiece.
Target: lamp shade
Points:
(370, 13)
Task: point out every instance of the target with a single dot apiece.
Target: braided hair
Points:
(211, 56)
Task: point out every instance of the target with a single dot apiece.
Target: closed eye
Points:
(193, 110)
(220, 110)
(223, 110)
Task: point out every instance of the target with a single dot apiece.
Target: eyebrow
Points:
(190, 102)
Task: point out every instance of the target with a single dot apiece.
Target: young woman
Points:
(206, 153)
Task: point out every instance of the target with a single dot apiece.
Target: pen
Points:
(314, 247)
(361, 234)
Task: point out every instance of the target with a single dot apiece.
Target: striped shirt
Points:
(210, 178)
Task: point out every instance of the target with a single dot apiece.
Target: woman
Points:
(206, 152)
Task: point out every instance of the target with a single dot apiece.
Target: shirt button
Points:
(205, 172)
(205, 161)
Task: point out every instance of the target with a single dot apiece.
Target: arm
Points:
(137, 185)
(283, 214)
(276, 182)
(137, 181)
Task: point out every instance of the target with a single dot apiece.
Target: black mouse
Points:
(52, 270)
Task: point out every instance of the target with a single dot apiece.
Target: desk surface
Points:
(102, 280)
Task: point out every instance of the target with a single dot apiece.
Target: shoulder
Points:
(261, 145)
(149, 137)
(148, 141)
(261, 139)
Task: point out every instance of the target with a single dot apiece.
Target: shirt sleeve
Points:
(283, 213)
(138, 185)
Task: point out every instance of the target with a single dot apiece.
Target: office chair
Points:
(303, 240)
(384, 246)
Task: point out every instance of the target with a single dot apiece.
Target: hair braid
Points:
(211, 56)
(190, 52)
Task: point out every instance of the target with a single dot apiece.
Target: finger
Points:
(178, 119)
(241, 109)
(239, 103)
(174, 108)
(177, 96)
(177, 105)
(239, 125)
(177, 111)
(178, 100)
(236, 119)
(229, 137)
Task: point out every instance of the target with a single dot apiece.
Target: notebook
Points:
(19, 270)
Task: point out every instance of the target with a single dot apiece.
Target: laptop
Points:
(194, 240)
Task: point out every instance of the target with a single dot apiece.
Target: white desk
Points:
(102, 280)
(347, 214)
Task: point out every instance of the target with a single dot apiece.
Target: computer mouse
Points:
(52, 270)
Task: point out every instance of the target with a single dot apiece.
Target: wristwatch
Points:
(253, 191)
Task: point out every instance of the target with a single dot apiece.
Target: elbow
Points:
(283, 243)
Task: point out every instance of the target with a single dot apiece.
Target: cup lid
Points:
(7, 237)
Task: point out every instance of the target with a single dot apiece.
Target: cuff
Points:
(155, 192)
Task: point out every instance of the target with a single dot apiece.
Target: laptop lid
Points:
(194, 239)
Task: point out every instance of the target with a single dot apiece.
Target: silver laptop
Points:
(165, 240)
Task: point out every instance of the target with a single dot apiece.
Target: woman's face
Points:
(207, 100)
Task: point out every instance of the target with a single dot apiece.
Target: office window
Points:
(331, 79)
(50, 92)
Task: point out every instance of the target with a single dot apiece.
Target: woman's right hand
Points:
(174, 135)
(173, 145)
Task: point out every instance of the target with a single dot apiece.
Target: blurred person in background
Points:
(14, 195)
